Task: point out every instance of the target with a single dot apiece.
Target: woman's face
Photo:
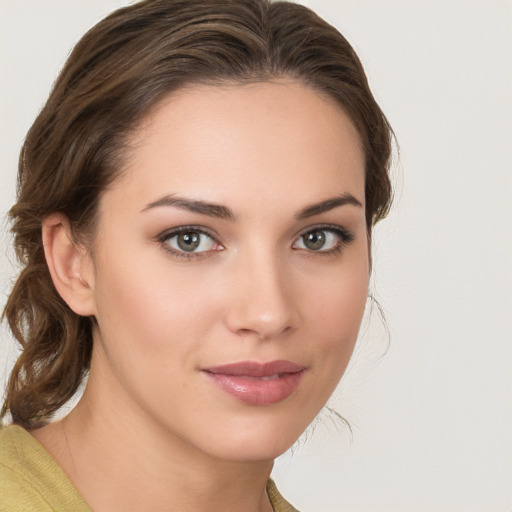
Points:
(230, 268)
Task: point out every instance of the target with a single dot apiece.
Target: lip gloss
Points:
(257, 383)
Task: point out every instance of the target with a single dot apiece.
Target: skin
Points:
(151, 431)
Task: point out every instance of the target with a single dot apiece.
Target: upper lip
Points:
(255, 368)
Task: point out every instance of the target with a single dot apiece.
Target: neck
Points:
(118, 460)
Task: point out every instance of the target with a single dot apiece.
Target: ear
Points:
(69, 264)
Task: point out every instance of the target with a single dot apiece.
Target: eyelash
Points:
(345, 237)
(164, 238)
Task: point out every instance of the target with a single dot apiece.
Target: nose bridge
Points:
(262, 302)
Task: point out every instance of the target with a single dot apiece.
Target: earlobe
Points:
(69, 265)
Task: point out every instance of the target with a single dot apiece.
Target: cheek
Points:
(343, 314)
(338, 300)
(334, 318)
(149, 312)
(152, 331)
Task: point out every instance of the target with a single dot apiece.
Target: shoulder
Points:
(30, 480)
(18, 491)
(279, 504)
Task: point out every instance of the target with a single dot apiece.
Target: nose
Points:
(262, 303)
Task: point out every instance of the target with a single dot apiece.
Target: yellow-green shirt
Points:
(32, 481)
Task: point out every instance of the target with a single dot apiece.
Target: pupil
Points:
(188, 241)
(314, 240)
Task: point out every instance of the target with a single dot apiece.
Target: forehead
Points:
(260, 140)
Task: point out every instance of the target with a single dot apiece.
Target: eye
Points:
(188, 241)
(323, 239)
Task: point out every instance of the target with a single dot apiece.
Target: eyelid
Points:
(342, 231)
(346, 236)
(189, 227)
(164, 236)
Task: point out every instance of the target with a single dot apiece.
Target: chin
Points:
(255, 441)
(254, 451)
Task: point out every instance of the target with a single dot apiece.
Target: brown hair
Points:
(120, 70)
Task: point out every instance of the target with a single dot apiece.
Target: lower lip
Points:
(255, 390)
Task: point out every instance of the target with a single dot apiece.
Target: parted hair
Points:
(114, 76)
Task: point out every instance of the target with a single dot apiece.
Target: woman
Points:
(194, 219)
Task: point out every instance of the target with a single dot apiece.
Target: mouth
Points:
(257, 383)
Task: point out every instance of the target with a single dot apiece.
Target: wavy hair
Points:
(114, 76)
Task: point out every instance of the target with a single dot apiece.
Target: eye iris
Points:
(188, 241)
(314, 240)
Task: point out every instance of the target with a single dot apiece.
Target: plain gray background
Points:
(432, 418)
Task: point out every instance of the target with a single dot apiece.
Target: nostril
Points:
(265, 332)
(261, 303)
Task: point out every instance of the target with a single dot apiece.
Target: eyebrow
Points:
(328, 204)
(223, 212)
(193, 205)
